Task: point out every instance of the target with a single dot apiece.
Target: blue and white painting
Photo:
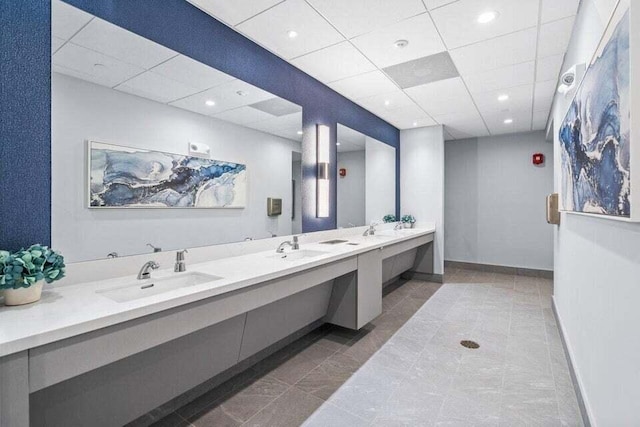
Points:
(123, 177)
(595, 134)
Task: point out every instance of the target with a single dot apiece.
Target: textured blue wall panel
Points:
(25, 123)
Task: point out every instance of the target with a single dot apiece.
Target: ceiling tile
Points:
(277, 107)
(56, 43)
(270, 29)
(355, 17)
(543, 95)
(520, 97)
(458, 22)
(408, 117)
(233, 12)
(192, 73)
(432, 4)
(463, 125)
(549, 68)
(382, 103)
(554, 37)
(156, 87)
(121, 44)
(419, 31)
(334, 63)
(351, 136)
(243, 115)
(443, 97)
(364, 85)
(66, 20)
(423, 70)
(540, 120)
(552, 10)
(92, 66)
(521, 122)
(447, 135)
(226, 97)
(501, 78)
(496, 53)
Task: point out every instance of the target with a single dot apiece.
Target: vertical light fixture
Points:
(322, 178)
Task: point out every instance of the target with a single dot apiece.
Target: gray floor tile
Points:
(329, 415)
(324, 380)
(289, 410)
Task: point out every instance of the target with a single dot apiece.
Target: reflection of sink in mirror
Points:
(298, 254)
(333, 242)
(147, 288)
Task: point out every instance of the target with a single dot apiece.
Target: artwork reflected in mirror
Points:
(150, 105)
(366, 179)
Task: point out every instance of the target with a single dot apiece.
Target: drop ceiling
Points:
(94, 50)
(452, 70)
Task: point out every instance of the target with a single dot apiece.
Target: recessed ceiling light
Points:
(401, 43)
(415, 124)
(503, 97)
(387, 102)
(299, 132)
(337, 143)
(486, 17)
(292, 34)
(508, 121)
(210, 103)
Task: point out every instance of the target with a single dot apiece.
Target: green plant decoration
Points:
(408, 218)
(389, 218)
(26, 267)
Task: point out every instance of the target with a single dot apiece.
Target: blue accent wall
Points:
(25, 123)
(25, 179)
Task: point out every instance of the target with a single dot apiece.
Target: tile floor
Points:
(407, 368)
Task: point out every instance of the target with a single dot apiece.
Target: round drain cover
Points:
(469, 344)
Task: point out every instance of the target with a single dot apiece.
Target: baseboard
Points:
(575, 378)
(519, 271)
(436, 278)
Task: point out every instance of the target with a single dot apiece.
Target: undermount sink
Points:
(149, 287)
(298, 254)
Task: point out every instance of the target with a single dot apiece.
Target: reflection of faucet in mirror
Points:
(112, 255)
(155, 249)
(144, 271)
(398, 226)
(294, 246)
(371, 230)
(248, 239)
(351, 225)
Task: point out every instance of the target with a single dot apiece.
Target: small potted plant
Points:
(389, 218)
(23, 273)
(408, 221)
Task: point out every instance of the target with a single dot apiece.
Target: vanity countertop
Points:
(67, 311)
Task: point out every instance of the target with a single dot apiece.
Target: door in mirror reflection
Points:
(366, 179)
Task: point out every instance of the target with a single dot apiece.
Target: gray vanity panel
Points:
(68, 358)
(403, 262)
(273, 322)
(123, 391)
(387, 269)
(14, 390)
(398, 248)
(369, 297)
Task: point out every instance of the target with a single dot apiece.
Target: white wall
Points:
(422, 182)
(81, 111)
(380, 172)
(597, 271)
(351, 189)
(495, 201)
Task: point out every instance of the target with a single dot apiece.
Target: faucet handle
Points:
(154, 265)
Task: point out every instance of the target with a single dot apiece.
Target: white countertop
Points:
(67, 311)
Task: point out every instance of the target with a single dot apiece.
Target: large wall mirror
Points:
(366, 179)
(153, 149)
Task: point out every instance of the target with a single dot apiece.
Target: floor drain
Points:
(469, 344)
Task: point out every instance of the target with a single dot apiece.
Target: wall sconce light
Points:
(322, 178)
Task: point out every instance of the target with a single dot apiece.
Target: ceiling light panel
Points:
(496, 53)
(233, 12)
(105, 37)
(554, 37)
(270, 29)
(458, 22)
(355, 17)
(364, 85)
(501, 78)
(334, 63)
(419, 31)
(552, 10)
(423, 70)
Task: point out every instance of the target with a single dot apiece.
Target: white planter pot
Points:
(22, 296)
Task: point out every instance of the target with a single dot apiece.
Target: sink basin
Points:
(146, 288)
(298, 254)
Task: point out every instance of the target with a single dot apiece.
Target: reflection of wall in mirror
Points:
(380, 180)
(82, 110)
(351, 189)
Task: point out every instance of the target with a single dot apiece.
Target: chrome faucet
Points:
(155, 248)
(398, 226)
(371, 230)
(144, 271)
(180, 264)
(295, 245)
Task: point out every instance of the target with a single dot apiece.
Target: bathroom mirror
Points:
(366, 179)
(151, 149)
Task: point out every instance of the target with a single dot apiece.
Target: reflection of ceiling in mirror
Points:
(350, 140)
(97, 51)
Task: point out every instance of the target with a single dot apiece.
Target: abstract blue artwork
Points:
(595, 134)
(123, 177)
